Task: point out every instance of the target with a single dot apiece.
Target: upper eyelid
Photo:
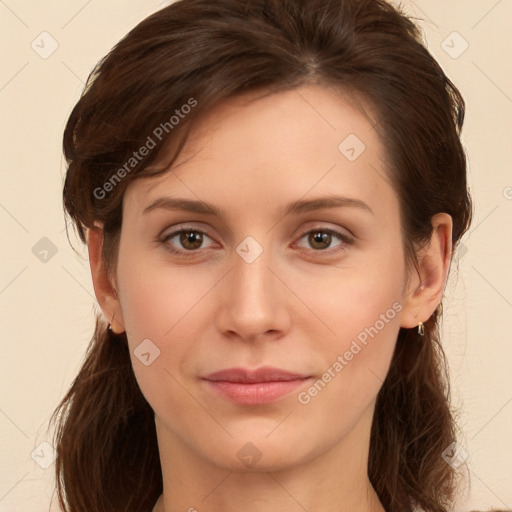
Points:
(336, 232)
(344, 224)
(302, 232)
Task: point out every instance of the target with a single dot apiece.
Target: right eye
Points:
(190, 240)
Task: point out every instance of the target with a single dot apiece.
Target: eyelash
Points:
(340, 236)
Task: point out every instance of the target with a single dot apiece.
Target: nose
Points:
(253, 301)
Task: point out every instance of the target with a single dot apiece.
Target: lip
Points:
(258, 375)
(254, 387)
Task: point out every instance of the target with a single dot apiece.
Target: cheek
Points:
(156, 299)
(356, 359)
(158, 305)
(347, 301)
(361, 308)
(173, 308)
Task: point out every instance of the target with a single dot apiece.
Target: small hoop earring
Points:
(421, 329)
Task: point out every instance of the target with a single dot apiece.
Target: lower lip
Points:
(255, 393)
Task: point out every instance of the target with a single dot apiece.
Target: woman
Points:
(271, 192)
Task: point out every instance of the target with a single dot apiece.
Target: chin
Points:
(258, 455)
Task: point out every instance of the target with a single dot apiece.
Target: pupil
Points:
(321, 238)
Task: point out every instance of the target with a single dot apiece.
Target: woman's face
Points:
(269, 275)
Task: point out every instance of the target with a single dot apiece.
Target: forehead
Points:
(303, 141)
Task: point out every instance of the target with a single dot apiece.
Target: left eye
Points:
(191, 240)
(320, 239)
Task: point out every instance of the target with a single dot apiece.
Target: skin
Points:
(298, 306)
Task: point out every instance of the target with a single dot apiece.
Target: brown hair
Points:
(199, 53)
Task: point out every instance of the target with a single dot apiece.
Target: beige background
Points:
(47, 301)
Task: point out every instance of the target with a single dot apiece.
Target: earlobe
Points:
(427, 288)
(104, 289)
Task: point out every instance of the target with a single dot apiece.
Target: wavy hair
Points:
(210, 51)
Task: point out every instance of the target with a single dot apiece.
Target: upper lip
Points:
(263, 374)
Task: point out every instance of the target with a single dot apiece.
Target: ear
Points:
(104, 286)
(426, 287)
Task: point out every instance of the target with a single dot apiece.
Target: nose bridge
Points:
(252, 302)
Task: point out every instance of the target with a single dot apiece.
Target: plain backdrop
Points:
(47, 302)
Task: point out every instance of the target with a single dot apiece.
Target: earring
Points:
(421, 329)
(110, 332)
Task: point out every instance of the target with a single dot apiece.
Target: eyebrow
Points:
(300, 206)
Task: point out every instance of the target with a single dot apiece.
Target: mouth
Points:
(254, 387)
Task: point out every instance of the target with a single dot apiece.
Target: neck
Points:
(369, 502)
